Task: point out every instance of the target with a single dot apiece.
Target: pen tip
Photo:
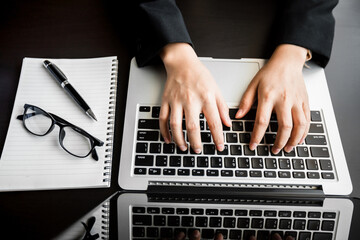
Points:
(91, 114)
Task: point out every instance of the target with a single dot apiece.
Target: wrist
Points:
(286, 54)
(175, 53)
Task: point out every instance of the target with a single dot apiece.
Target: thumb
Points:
(247, 100)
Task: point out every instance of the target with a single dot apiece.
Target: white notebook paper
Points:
(30, 162)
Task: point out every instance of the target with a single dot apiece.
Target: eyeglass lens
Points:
(37, 121)
(75, 142)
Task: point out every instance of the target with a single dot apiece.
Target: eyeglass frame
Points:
(62, 123)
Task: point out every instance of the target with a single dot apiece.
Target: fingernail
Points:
(252, 146)
(197, 150)
(288, 149)
(302, 141)
(276, 150)
(166, 140)
(220, 147)
(239, 113)
(182, 148)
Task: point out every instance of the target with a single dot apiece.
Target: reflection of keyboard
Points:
(165, 222)
(153, 157)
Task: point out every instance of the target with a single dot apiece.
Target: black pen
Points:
(60, 77)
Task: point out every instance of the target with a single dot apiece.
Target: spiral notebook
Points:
(29, 162)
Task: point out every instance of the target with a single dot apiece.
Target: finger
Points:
(176, 116)
(247, 100)
(263, 114)
(223, 110)
(213, 119)
(219, 236)
(193, 127)
(298, 130)
(289, 238)
(252, 238)
(180, 236)
(306, 110)
(276, 236)
(284, 118)
(195, 235)
(163, 122)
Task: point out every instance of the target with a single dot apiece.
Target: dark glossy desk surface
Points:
(76, 29)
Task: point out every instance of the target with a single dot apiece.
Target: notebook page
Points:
(32, 162)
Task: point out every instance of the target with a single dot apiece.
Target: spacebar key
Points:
(148, 135)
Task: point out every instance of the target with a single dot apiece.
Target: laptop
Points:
(315, 168)
(156, 216)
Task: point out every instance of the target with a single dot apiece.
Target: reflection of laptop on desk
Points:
(318, 167)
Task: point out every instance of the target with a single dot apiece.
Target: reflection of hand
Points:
(190, 89)
(280, 86)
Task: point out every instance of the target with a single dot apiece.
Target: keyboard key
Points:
(298, 163)
(328, 225)
(212, 211)
(249, 126)
(311, 164)
(315, 116)
(314, 214)
(243, 162)
(284, 174)
(216, 162)
(215, 222)
(240, 173)
(159, 220)
(168, 148)
(138, 210)
(299, 214)
(183, 172)
(232, 113)
(230, 162)
(257, 163)
(284, 163)
(140, 171)
(302, 151)
(152, 232)
(148, 135)
(235, 234)
(290, 154)
(285, 224)
(148, 124)
(197, 172)
(223, 232)
(173, 221)
(207, 233)
(227, 173)
(248, 234)
(304, 235)
(315, 140)
(155, 147)
(256, 213)
(322, 236)
(209, 149)
(187, 221)
(201, 221)
(243, 223)
(241, 212)
(212, 173)
(280, 233)
(154, 171)
(141, 219)
(141, 147)
(245, 137)
(169, 171)
(263, 150)
(271, 223)
(316, 128)
(237, 126)
(257, 223)
(299, 224)
(161, 161)
(313, 225)
(298, 175)
(329, 215)
(138, 232)
(327, 175)
(144, 109)
(166, 233)
(175, 161)
(291, 234)
(144, 160)
(224, 152)
(205, 137)
(197, 211)
(319, 152)
(270, 163)
(247, 151)
(155, 112)
(231, 138)
(279, 154)
(314, 175)
(178, 151)
(188, 161)
(153, 210)
(235, 150)
(202, 126)
(284, 214)
(229, 222)
(274, 126)
(226, 212)
(270, 138)
(255, 174)
(262, 235)
(325, 164)
(202, 162)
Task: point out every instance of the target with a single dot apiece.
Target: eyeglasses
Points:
(73, 139)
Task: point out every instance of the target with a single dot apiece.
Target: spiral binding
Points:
(111, 122)
(105, 220)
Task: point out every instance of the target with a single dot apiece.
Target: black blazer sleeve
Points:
(310, 24)
(159, 22)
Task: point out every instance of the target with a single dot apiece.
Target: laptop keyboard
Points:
(153, 156)
(167, 222)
